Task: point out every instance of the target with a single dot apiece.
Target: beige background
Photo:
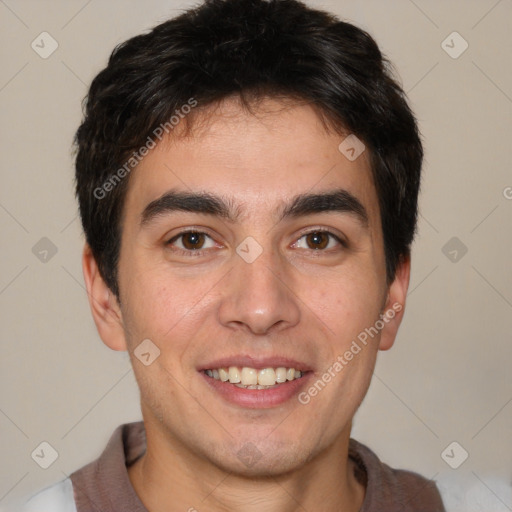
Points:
(448, 377)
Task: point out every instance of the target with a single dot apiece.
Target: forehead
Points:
(256, 159)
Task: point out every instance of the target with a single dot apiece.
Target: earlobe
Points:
(395, 304)
(104, 305)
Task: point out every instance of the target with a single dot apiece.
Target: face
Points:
(250, 248)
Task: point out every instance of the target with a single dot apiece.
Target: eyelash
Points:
(201, 252)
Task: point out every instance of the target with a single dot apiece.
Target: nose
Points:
(259, 296)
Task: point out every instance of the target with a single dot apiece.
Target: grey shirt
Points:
(104, 485)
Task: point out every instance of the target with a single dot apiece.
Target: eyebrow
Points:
(339, 200)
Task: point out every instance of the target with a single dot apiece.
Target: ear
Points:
(395, 304)
(104, 305)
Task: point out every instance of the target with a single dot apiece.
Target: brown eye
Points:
(193, 240)
(317, 240)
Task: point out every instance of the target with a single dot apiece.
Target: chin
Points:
(262, 459)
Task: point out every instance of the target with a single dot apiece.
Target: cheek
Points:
(161, 306)
(346, 304)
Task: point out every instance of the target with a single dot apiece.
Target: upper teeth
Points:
(252, 377)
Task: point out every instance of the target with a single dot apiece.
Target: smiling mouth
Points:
(251, 378)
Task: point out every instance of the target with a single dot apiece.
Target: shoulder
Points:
(56, 498)
(388, 488)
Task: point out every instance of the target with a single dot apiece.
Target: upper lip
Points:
(255, 362)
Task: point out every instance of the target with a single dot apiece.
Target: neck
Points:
(171, 479)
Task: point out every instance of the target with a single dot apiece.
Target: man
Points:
(247, 175)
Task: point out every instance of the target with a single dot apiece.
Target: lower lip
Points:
(258, 398)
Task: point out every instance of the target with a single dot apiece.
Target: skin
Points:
(293, 301)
